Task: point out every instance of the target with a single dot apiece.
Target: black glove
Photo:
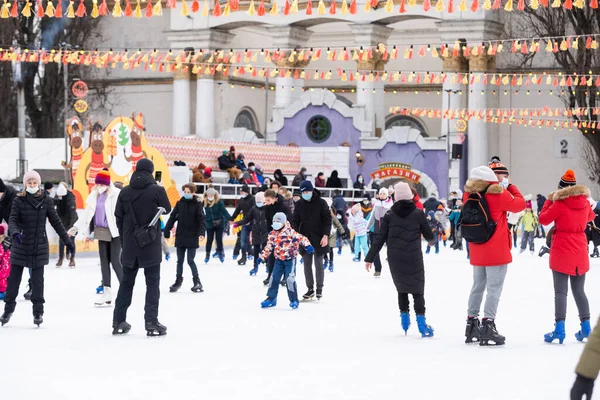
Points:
(166, 234)
(18, 238)
(582, 386)
(346, 236)
(70, 248)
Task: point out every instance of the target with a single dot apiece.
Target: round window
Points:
(318, 129)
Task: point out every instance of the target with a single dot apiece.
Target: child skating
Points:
(284, 243)
(530, 222)
(361, 240)
(436, 229)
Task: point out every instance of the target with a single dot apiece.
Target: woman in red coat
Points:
(569, 209)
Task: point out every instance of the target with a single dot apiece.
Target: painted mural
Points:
(118, 146)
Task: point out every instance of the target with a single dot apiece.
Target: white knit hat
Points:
(402, 191)
(483, 173)
(260, 197)
(384, 191)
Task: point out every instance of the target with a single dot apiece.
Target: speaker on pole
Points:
(457, 151)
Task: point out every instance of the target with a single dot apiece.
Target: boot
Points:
(405, 321)
(242, 261)
(253, 271)
(197, 288)
(585, 330)
(105, 298)
(72, 262)
(331, 266)
(428, 250)
(473, 331)
(177, 285)
(319, 293)
(155, 329)
(266, 282)
(59, 262)
(5, 317)
(424, 329)
(558, 333)
(207, 258)
(37, 319)
(268, 302)
(120, 328)
(325, 263)
(543, 250)
(27, 294)
(595, 253)
(490, 333)
(377, 274)
(309, 295)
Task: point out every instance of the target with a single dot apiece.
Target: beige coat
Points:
(589, 363)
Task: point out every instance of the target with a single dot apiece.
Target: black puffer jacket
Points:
(67, 210)
(401, 228)
(28, 217)
(431, 204)
(6, 203)
(278, 206)
(244, 206)
(189, 215)
(260, 229)
(313, 220)
(279, 177)
(146, 196)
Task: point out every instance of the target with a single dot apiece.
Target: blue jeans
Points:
(245, 238)
(361, 243)
(283, 267)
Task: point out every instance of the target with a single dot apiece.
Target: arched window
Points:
(318, 129)
(404, 120)
(246, 119)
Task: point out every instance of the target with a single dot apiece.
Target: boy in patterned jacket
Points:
(284, 242)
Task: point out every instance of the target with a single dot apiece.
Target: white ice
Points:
(222, 345)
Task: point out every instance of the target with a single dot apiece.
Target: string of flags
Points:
(468, 113)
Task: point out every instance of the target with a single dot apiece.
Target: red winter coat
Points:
(496, 251)
(417, 201)
(570, 211)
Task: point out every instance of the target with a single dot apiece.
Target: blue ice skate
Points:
(428, 250)
(331, 266)
(437, 251)
(215, 254)
(585, 331)
(558, 333)
(405, 321)
(294, 304)
(249, 257)
(253, 271)
(100, 289)
(222, 257)
(356, 259)
(268, 303)
(424, 329)
(340, 251)
(235, 256)
(325, 264)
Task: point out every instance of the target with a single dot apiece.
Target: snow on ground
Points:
(222, 345)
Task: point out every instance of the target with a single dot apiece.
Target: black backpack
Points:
(476, 223)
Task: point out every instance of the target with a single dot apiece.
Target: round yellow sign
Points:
(80, 106)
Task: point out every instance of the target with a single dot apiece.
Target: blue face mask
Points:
(188, 196)
(243, 196)
(307, 196)
(259, 205)
(277, 225)
(252, 168)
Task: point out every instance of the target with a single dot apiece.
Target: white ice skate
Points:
(105, 299)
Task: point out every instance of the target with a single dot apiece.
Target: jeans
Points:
(61, 248)
(436, 245)
(561, 289)
(110, 253)
(125, 293)
(492, 279)
(211, 233)
(283, 268)
(361, 243)
(418, 299)
(191, 254)
(245, 239)
(308, 271)
(528, 238)
(37, 289)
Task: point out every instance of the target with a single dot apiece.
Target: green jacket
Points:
(589, 363)
(215, 213)
(529, 221)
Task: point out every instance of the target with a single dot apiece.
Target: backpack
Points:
(476, 223)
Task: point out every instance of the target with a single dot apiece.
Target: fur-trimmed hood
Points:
(478, 186)
(571, 191)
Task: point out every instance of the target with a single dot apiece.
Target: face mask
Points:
(252, 168)
(33, 190)
(504, 183)
(259, 205)
(304, 174)
(277, 225)
(61, 191)
(365, 202)
(211, 198)
(102, 189)
(307, 196)
(360, 180)
(188, 196)
(243, 196)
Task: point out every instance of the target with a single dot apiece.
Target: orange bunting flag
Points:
(81, 11)
(426, 5)
(402, 6)
(196, 6)
(309, 7)
(332, 8)
(353, 7)
(286, 8)
(103, 9)
(261, 8)
(216, 9)
(568, 4)
(450, 6)
(128, 9)
(171, 4)
(58, 10)
(39, 9)
(148, 11)
(594, 4)
(14, 11)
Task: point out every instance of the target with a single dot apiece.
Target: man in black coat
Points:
(139, 202)
(244, 206)
(312, 219)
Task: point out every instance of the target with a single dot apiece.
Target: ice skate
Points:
(473, 331)
(325, 263)
(377, 274)
(235, 256)
(424, 329)
(59, 263)
(121, 328)
(356, 259)
(177, 285)
(5, 317)
(249, 257)
(100, 289)
(215, 254)
(222, 257)
(532, 253)
(489, 333)
(585, 331)
(266, 282)
(253, 271)
(543, 250)
(405, 321)
(558, 333)
(595, 253)
(428, 250)
(105, 298)
(331, 266)
(242, 261)
(268, 302)
(309, 295)
(521, 251)
(155, 329)
(27, 294)
(72, 262)
(38, 320)
(197, 288)
(437, 251)
(319, 294)
(207, 258)
(294, 304)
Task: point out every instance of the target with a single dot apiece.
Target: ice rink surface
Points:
(222, 345)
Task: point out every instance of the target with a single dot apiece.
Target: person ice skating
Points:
(336, 229)
(431, 204)
(312, 219)
(29, 246)
(436, 229)
(283, 243)
(454, 219)
(163, 242)
(244, 206)
(257, 217)
(359, 223)
(401, 229)
(4, 259)
(381, 205)
(587, 367)
(274, 203)
(216, 218)
(189, 215)
(530, 222)
(99, 220)
(67, 211)
(442, 215)
(137, 206)
(568, 208)
(491, 255)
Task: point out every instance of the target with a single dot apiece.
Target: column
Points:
(205, 106)
(288, 89)
(478, 128)
(181, 103)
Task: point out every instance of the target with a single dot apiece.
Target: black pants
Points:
(329, 256)
(211, 233)
(418, 299)
(191, 255)
(257, 248)
(125, 294)
(61, 248)
(37, 289)
(110, 254)
(270, 265)
(452, 233)
(377, 259)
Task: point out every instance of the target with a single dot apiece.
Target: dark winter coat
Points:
(339, 203)
(6, 203)
(145, 196)
(401, 229)
(244, 206)
(431, 204)
(298, 178)
(216, 212)
(225, 163)
(313, 220)
(260, 229)
(279, 177)
(28, 217)
(540, 203)
(278, 206)
(333, 181)
(189, 215)
(67, 210)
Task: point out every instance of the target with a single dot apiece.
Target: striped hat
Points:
(103, 178)
(497, 166)
(568, 179)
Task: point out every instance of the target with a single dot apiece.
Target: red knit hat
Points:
(568, 179)
(103, 178)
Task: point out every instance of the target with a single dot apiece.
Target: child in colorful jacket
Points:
(437, 229)
(530, 223)
(284, 242)
(361, 240)
(4, 260)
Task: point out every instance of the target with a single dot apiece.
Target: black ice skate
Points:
(155, 329)
(5, 318)
(38, 320)
(473, 331)
(490, 334)
(197, 288)
(121, 328)
(266, 282)
(177, 285)
(319, 294)
(543, 250)
(309, 295)
(27, 294)
(595, 253)
(242, 261)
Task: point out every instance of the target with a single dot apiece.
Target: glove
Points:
(310, 249)
(70, 248)
(346, 236)
(582, 386)
(167, 256)
(18, 238)
(235, 226)
(167, 234)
